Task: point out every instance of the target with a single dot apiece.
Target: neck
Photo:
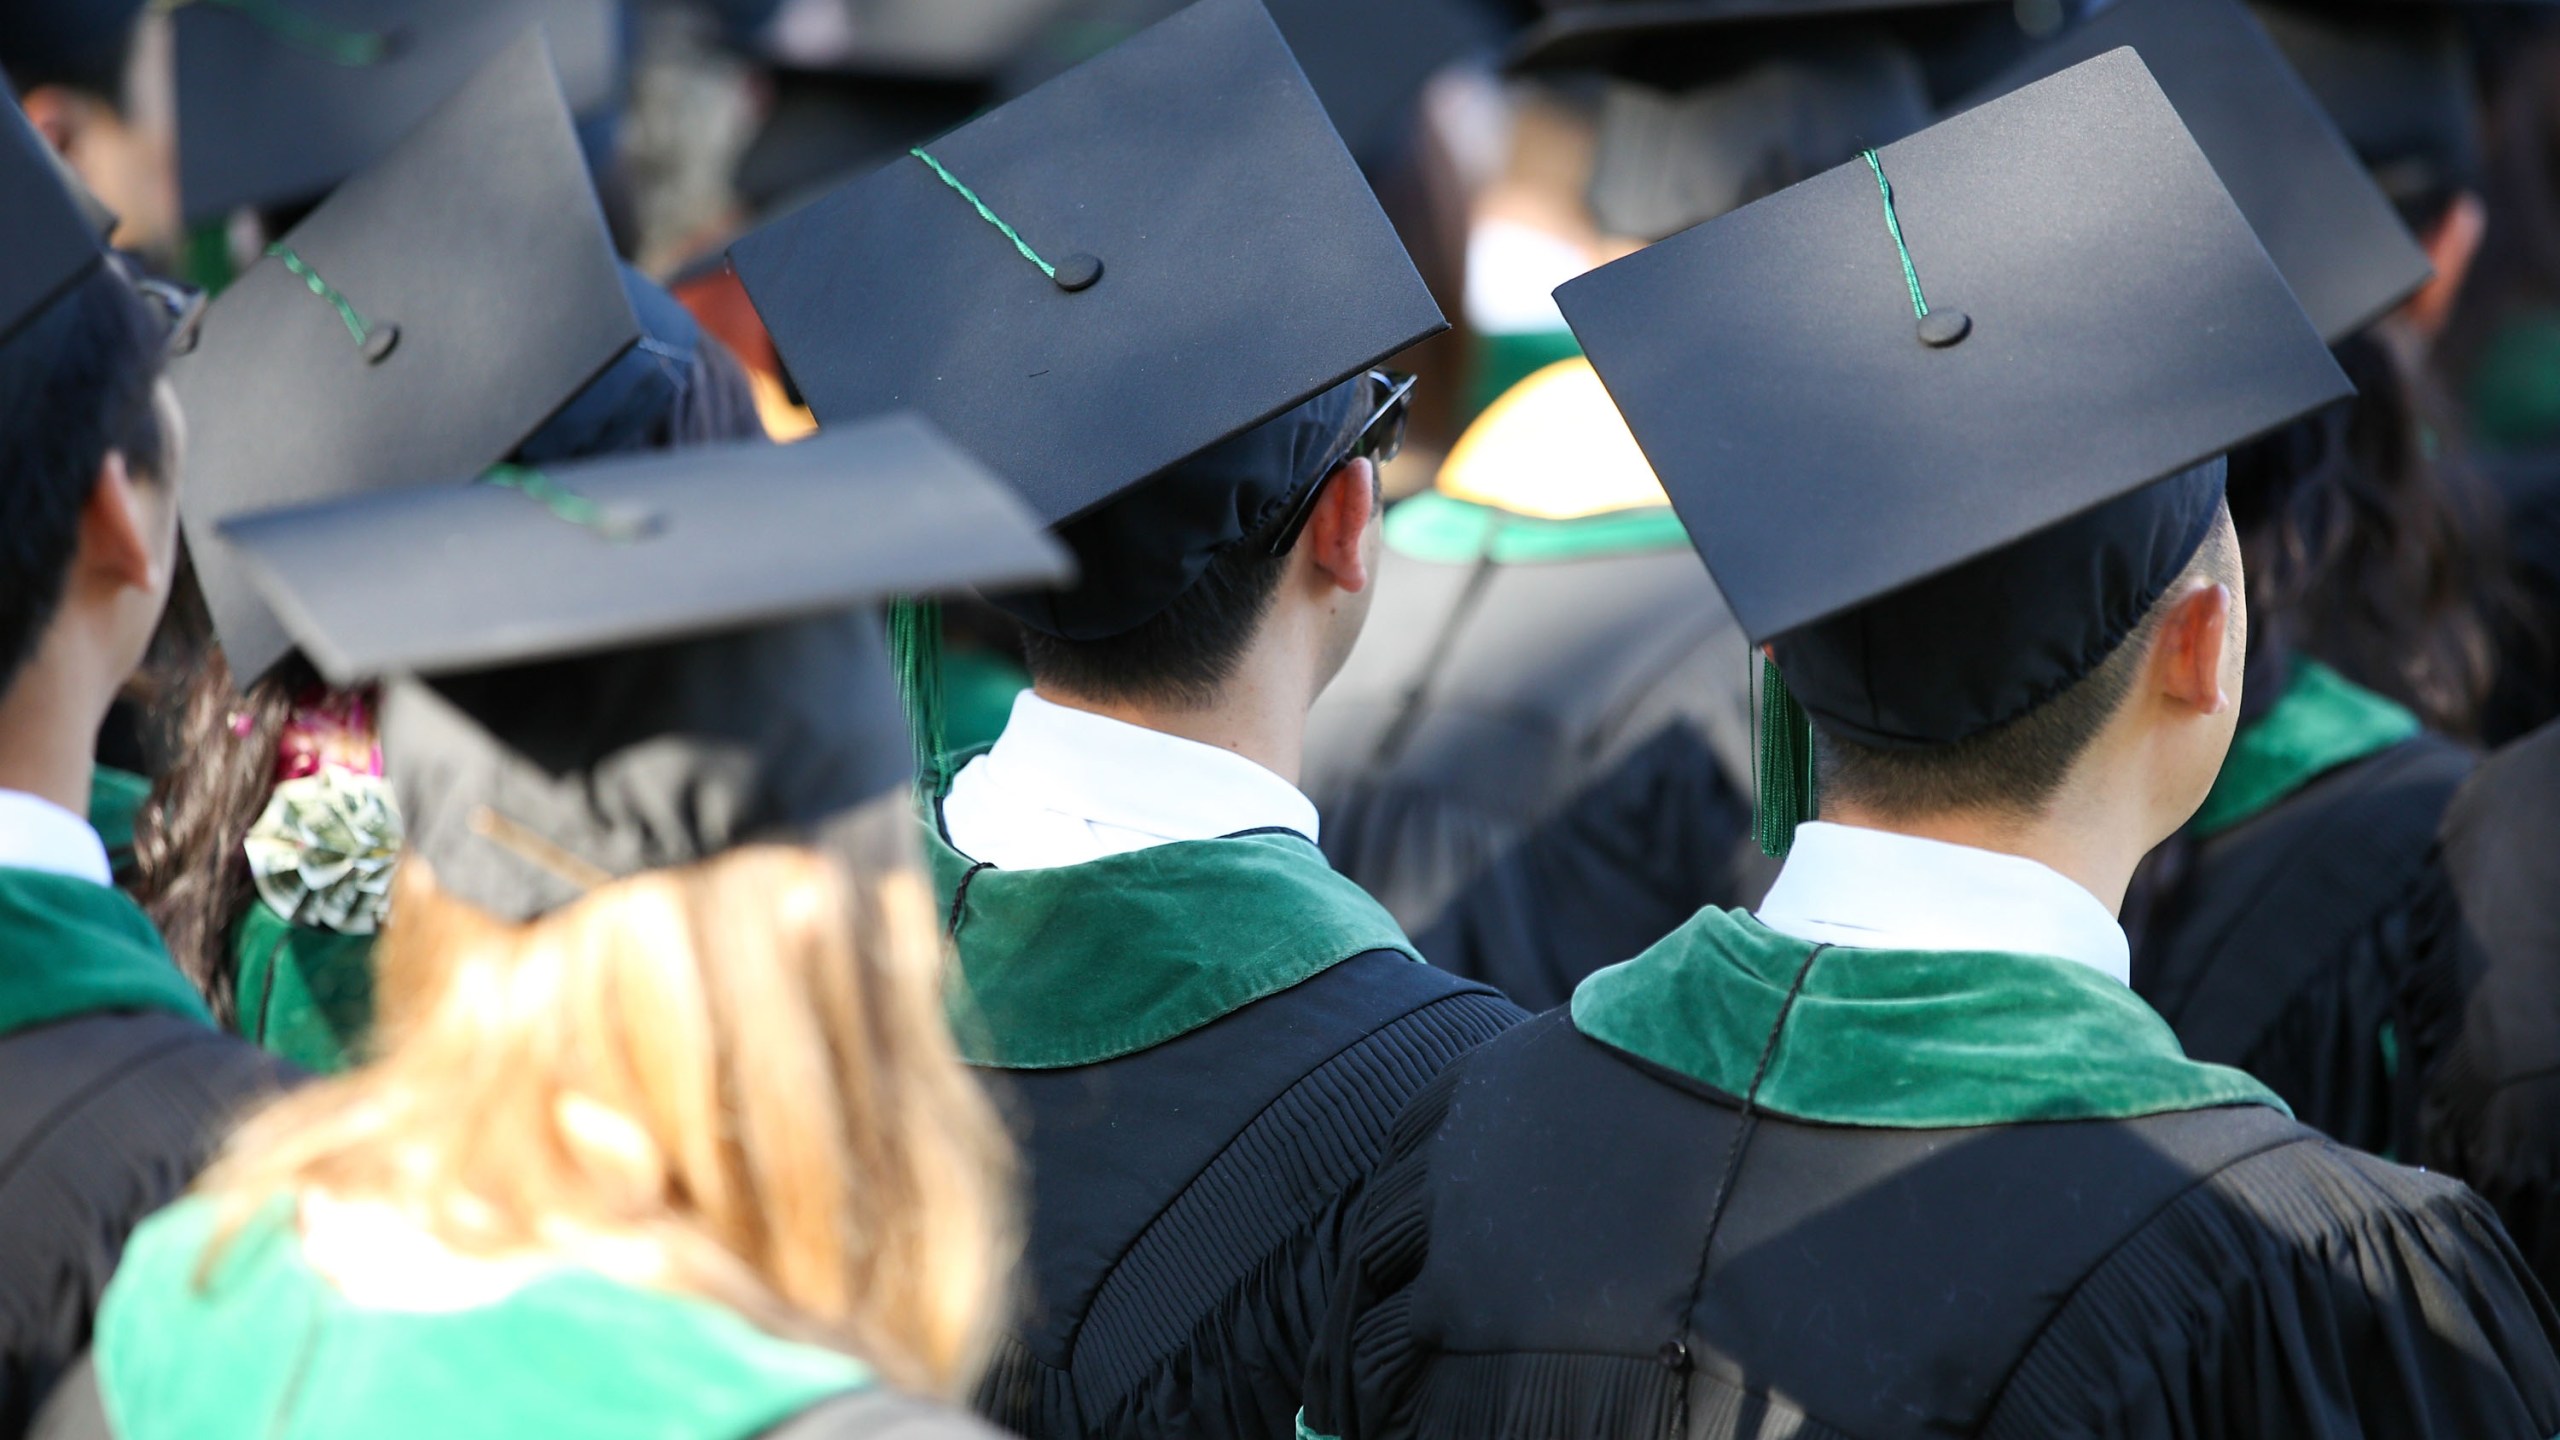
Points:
(1267, 732)
(1260, 712)
(49, 730)
(2092, 853)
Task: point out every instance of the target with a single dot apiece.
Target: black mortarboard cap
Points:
(1980, 487)
(639, 661)
(1676, 42)
(1219, 263)
(81, 43)
(280, 100)
(48, 242)
(1671, 158)
(2329, 228)
(533, 563)
(1367, 62)
(825, 127)
(2398, 80)
(422, 323)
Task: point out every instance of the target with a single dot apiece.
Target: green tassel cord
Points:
(915, 650)
(986, 212)
(1787, 783)
(336, 44)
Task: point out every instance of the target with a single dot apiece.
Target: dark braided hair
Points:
(2373, 548)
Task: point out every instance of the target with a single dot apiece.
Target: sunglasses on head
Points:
(182, 306)
(1379, 439)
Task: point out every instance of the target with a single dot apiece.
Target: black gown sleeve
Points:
(2493, 1105)
(2303, 945)
(1363, 1371)
(103, 1120)
(1205, 1293)
(2351, 1051)
(2307, 1292)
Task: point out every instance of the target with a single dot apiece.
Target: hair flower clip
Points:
(323, 852)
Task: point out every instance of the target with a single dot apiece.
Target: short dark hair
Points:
(76, 382)
(1185, 654)
(2017, 767)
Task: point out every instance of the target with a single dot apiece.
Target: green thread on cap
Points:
(354, 49)
(915, 651)
(357, 325)
(988, 215)
(1787, 779)
(569, 505)
(1893, 222)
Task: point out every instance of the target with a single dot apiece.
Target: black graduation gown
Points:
(1541, 768)
(2299, 945)
(103, 1120)
(2493, 1107)
(1185, 1201)
(1528, 1263)
(2527, 693)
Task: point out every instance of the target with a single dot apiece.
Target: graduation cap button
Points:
(1942, 328)
(1078, 272)
(379, 341)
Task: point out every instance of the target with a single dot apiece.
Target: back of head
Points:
(2400, 83)
(76, 382)
(1946, 513)
(635, 1019)
(1672, 159)
(2015, 766)
(734, 1075)
(1178, 573)
(2372, 546)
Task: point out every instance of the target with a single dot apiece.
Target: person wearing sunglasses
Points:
(1168, 341)
(114, 1084)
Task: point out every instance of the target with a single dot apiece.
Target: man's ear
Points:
(2194, 641)
(116, 529)
(1338, 530)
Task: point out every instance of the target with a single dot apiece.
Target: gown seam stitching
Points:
(1744, 1126)
(1111, 1272)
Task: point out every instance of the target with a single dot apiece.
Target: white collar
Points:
(36, 834)
(1875, 890)
(1065, 786)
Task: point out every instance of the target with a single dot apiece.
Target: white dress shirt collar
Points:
(36, 834)
(1065, 787)
(1875, 890)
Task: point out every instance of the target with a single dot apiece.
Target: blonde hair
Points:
(742, 1065)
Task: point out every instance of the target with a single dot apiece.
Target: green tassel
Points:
(207, 263)
(915, 648)
(1787, 787)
